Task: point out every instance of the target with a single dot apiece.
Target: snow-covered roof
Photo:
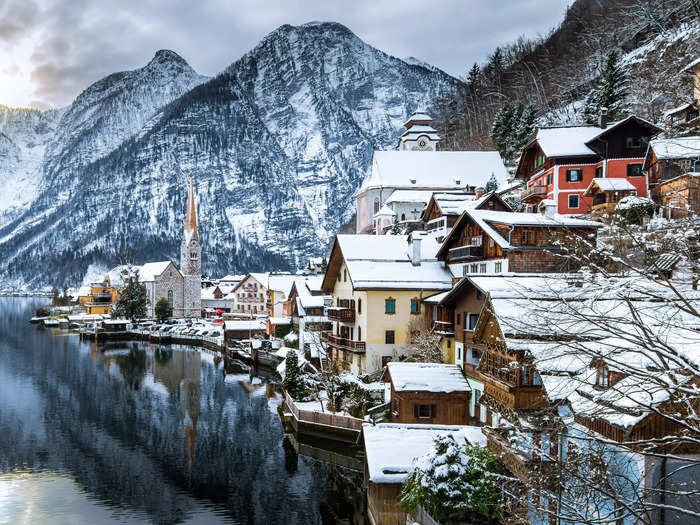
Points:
(392, 448)
(280, 321)
(149, 271)
(245, 324)
(385, 211)
(232, 278)
(610, 184)
(436, 170)
(676, 148)
(678, 109)
(383, 262)
(281, 282)
(455, 203)
(418, 116)
(510, 186)
(412, 196)
(427, 377)
(435, 299)
(567, 141)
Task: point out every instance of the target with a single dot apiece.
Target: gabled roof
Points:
(676, 148)
(147, 272)
(485, 219)
(427, 377)
(610, 184)
(433, 170)
(384, 262)
(417, 196)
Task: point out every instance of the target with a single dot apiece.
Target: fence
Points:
(322, 418)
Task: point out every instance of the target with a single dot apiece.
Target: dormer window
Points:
(458, 181)
(603, 377)
(413, 181)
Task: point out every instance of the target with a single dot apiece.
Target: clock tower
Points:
(419, 134)
(191, 259)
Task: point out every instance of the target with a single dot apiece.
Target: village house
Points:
(240, 329)
(278, 287)
(444, 208)
(250, 295)
(605, 194)
(559, 163)
(390, 450)
(673, 169)
(536, 359)
(429, 393)
(377, 284)
(491, 241)
(217, 299)
(308, 312)
(416, 165)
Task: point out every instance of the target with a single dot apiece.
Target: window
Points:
(574, 175)
(528, 237)
(376, 205)
(498, 267)
(573, 201)
(482, 268)
(415, 306)
(389, 337)
(476, 354)
(193, 255)
(474, 268)
(459, 319)
(637, 142)
(359, 333)
(599, 172)
(403, 217)
(634, 170)
(359, 306)
(424, 411)
(603, 379)
(477, 397)
(345, 276)
(339, 279)
(389, 306)
(539, 160)
(549, 179)
(472, 320)
(170, 297)
(491, 243)
(476, 241)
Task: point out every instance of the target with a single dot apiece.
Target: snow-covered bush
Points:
(296, 382)
(291, 340)
(514, 203)
(454, 482)
(634, 210)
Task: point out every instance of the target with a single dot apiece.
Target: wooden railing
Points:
(515, 460)
(343, 343)
(538, 190)
(344, 315)
(322, 418)
(444, 327)
(466, 252)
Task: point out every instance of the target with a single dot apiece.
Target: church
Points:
(182, 288)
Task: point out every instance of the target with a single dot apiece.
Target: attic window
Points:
(413, 181)
(603, 377)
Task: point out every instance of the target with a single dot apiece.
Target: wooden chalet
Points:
(493, 242)
(428, 393)
(673, 169)
(606, 193)
(443, 209)
(559, 163)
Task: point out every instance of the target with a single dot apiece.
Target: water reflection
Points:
(164, 435)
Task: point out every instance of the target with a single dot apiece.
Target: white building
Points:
(418, 166)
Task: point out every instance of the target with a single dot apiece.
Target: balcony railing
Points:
(344, 315)
(444, 328)
(517, 461)
(466, 253)
(538, 191)
(343, 343)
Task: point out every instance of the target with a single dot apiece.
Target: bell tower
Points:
(419, 134)
(191, 259)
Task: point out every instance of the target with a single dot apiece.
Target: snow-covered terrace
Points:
(392, 448)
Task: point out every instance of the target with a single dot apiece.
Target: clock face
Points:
(421, 143)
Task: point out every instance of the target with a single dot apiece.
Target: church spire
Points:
(191, 215)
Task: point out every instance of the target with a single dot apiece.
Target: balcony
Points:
(534, 193)
(466, 253)
(519, 462)
(344, 315)
(343, 343)
(446, 328)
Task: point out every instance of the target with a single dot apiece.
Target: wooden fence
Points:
(322, 418)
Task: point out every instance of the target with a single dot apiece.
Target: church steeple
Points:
(191, 215)
(419, 134)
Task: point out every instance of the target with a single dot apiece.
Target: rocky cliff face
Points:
(277, 144)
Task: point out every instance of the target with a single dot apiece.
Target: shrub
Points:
(634, 210)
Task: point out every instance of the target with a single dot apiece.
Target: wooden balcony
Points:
(343, 343)
(466, 253)
(344, 315)
(517, 461)
(524, 397)
(534, 193)
(446, 328)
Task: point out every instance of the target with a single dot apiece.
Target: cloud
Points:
(78, 42)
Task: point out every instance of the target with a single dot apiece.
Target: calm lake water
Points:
(133, 433)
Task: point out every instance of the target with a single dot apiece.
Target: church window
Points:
(403, 216)
(376, 204)
(193, 255)
(170, 297)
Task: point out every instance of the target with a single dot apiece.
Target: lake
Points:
(138, 433)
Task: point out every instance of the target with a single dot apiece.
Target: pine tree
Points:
(491, 185)
(474, 80)
(511, 129)
(293, 381)
(132, 302)
(611, 91)
(514, 203)
(163, 310)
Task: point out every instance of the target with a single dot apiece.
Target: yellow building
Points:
(378, 283)
(103, 296)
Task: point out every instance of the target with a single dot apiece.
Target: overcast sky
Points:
(50, 50)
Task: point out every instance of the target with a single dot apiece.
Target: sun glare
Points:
(16, 88)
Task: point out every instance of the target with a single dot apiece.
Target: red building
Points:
(561, 162)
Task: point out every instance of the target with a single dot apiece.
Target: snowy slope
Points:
(277, 144)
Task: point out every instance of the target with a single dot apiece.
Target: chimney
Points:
(415, 249)
(479, 192)
(603, 119)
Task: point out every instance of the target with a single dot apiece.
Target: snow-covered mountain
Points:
(277, 144)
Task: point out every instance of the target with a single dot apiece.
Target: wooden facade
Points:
(383, 504)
